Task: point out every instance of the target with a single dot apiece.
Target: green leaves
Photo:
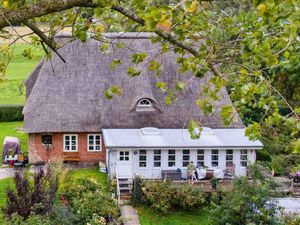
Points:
(113, 91)
(133, 72)
(138, 57)
(161, 85)
(194, 129)
(253, 131)
(227, 114)
(113, 65)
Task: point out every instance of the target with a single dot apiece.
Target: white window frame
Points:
(149, 104)
(200, 160)
(244, 152)
(94, 143)
(172, 161)
(143, 160)
(229, 161)
(212, 155)
(186, 161)
(155, 160)
(70, 136)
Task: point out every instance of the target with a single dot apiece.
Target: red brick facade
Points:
(38, 152)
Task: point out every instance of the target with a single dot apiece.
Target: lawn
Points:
(4, 184)
(13, 129)
(12, 90)
(198, 217)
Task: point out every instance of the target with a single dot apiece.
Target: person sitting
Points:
(191, 170)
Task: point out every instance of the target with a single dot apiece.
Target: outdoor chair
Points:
(229, 172)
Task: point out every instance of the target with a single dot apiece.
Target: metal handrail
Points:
(118, 188)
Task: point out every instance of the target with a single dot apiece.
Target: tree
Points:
(252, 48)
(248, 203)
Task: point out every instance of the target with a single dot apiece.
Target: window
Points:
(171, 158)
(229, 157)
(215, 157)
(70, 142)
(200, 157)
(94, 142)
(143, 158)
(185, 157)
(244, 157)
(124, 156)
(46, 139)
(144, 102)
(157, 158)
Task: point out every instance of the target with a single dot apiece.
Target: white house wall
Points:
(152, 172)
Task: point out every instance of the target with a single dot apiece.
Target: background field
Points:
(12, 90)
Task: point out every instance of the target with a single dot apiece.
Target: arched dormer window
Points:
(144, 104)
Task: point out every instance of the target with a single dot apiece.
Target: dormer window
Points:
(144, 104)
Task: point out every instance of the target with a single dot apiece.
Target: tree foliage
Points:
(252, 48)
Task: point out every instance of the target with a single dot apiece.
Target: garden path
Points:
(129, 215)
(6, 172)
(289, 205)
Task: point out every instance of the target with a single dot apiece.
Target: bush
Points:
(248, 203)
(163, 197)
(32, 199)
(62, 214)
(136, 197)
(31, 220)
(11, 113)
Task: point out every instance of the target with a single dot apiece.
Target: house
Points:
(67, 115)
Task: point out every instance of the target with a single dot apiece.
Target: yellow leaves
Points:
(5, 4)
(262, 8)
(165, 25)
(192, 8)
(5, 48)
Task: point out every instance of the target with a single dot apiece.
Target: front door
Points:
(124, 165)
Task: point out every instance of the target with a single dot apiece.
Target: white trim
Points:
(64, 148)
(183, 147)
(94, 144)
(149, 104)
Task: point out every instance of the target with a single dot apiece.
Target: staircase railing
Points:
(118, 188)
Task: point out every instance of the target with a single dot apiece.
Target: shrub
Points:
(163, 197)
(62, 214)
(136, 197)
(11, 113)
(248, 203)
(94, 203)
(31, 220)
(28, 199)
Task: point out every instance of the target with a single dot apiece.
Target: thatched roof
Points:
(68, 97)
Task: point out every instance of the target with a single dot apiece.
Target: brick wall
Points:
(38, 152)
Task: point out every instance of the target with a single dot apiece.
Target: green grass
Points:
(12, 90)
(4, 184)
(94, 174)
(197, 217)
(14, 129)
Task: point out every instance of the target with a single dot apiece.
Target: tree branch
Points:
(49, 42)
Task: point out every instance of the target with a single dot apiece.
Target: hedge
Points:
(11, 113)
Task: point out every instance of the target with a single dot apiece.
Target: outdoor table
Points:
(204, 173)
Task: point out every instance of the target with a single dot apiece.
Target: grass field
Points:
(198, 217)
(13, 129)
(12, 90)
(4, 184)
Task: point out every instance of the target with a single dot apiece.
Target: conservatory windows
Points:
(143, 158)
(157, 158)
(215, 157)
(185, 157)
(70, 142)
(200, 157)
(229, 157)
(244, 157)
(171, 158)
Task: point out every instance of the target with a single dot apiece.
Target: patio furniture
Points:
(208, 173)
(171, 174)
(229, 172)
(11, 147)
